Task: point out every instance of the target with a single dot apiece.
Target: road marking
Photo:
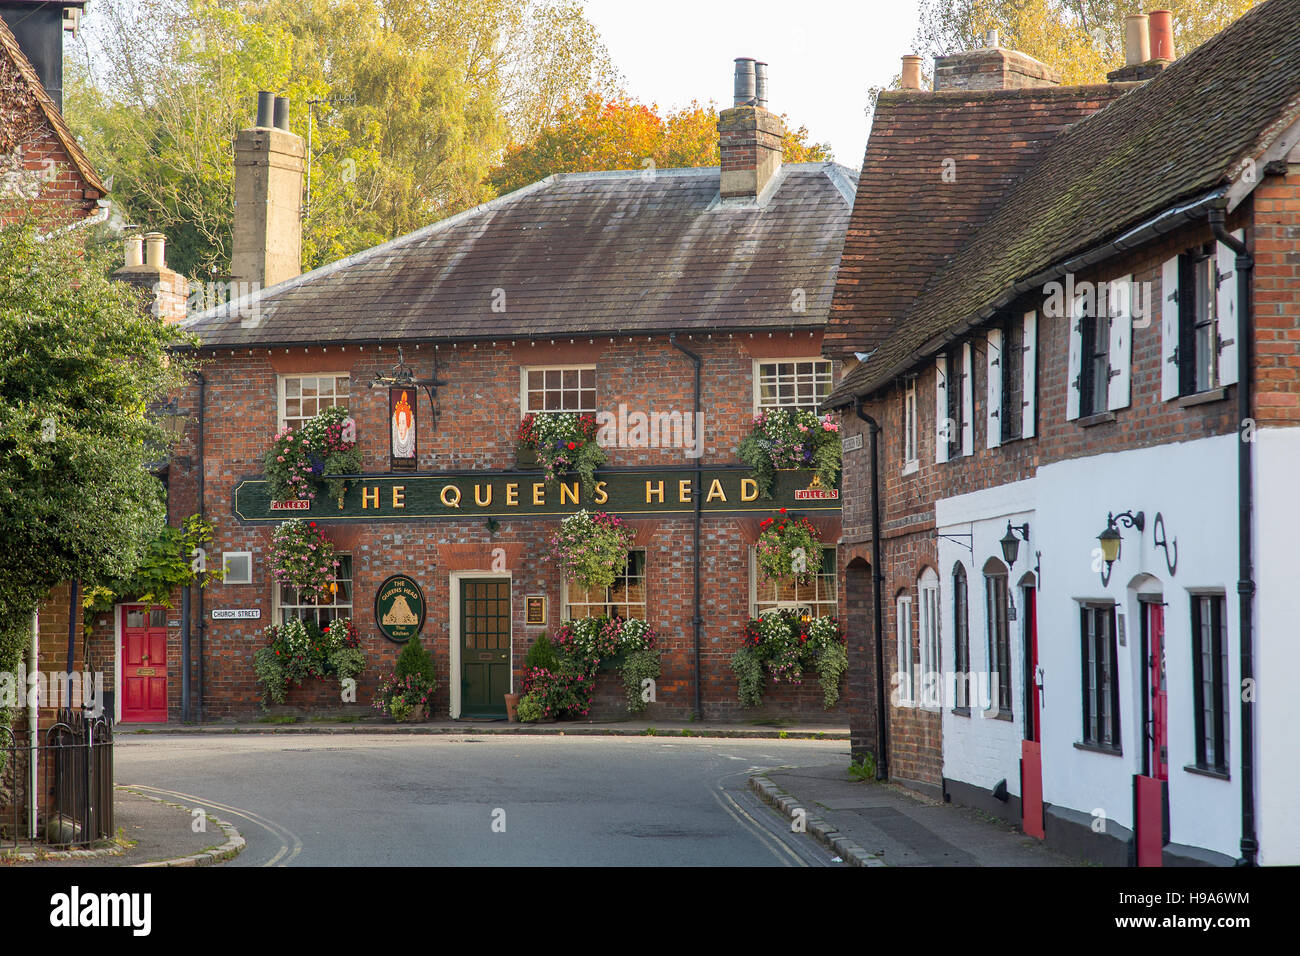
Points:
(755, 827)
(289, 842)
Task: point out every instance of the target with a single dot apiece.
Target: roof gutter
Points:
(1153, 228)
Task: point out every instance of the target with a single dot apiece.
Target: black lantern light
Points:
(1011, 543)
(1110, 538)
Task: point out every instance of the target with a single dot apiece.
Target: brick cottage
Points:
(1071, 316)
(672, 303)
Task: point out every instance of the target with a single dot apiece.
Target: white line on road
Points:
(289, 842)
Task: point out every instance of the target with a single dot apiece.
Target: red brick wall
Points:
(476, 426)
(1276, 249)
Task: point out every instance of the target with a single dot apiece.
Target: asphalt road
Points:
(483, 800)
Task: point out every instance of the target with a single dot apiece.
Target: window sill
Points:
(912, 467)
(1098, 749)
(1101, 418)
(1208, 772)
(1203, 398)
(961, 711)
(1003, 715)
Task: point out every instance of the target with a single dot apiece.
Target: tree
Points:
(1083, 39)
(80, 363)
(600, 134)
(413, 101)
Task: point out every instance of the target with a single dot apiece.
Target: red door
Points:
(1031, 753)
(144, 664)
(1149, 798)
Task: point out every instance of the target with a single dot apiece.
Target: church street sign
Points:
(460, 495)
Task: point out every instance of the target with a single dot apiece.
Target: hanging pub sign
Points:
(640, 492)
(401, 422)
(399, 608)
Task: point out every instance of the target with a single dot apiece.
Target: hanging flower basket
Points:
(303, 557)
(785, 438)
(561, 442)
(591, 549)
(780, 646)
(788, 548)
(301, 461)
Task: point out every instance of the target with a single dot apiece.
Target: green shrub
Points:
(542, 654)
(639, 666)
(414, 661)
(530, 711)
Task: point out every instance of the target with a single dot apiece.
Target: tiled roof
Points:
(1177, 136)
(936, 167)
(47, 106)
(614, 252)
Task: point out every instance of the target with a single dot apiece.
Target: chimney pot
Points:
(746, 82)
(1137, 39)
(760, 84)
(134, 251)
(1162, 35)
(991, 39)
(282, 112)
(154, 243)
(265, 109)
(911, 72)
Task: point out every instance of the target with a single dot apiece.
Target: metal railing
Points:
(72, 805)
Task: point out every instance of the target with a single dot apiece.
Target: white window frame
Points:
(911, 428)
(929, 610)
(523, 389)
(350, 606)
(906, 674)
(566, 605)
(226, 577)
(817, 360)
(812, 597)
(283, 379)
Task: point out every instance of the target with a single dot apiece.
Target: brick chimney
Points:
(146, 268)
(267, 246)
(749, 137)
(992, 68)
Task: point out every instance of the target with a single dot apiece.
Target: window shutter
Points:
(1118, 389)
(1226, 310)
(941, 423)
(1076, 359)
(996, 361)
(1029, 367)
(967, 403)
(1169, 330)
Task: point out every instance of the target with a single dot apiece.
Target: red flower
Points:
(313, 524)
(572, 445)
(782, 511)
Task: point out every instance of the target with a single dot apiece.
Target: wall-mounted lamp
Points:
(1011, 544)
(172, 420)
(1110, 538)
(805, 617)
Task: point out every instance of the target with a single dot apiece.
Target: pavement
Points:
(882, 824)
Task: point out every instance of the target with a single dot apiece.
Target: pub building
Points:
(673, 304)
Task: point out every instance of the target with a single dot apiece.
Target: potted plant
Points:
(407, 694)
(780, 646)
(591, 549)
(298, 650)
(788, 548)
(302, 557)
(561, 442)
(786, 438)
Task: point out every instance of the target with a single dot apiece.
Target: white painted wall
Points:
(1277, 645)
(1193, 484)
(981, 750)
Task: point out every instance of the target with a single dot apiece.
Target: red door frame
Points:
(1151, 787)
(143, 674)
(1031, 748)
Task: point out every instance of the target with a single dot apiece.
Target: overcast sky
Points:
(821, 57)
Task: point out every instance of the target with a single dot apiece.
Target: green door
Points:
(484, 647)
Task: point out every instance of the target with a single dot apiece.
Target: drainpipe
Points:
(878, 609)
(74, 588)
(33, 720)
(203, 624)
(699, 496)
(1245, 565)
